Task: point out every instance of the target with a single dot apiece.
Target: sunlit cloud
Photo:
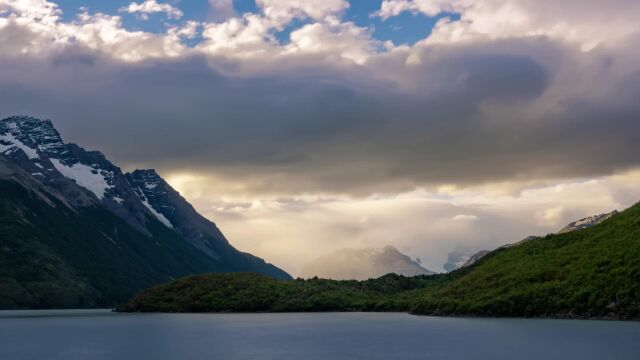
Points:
(151, 6)
(293, 230)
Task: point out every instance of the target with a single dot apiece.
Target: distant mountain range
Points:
(362, 264)
(465, 261)
(75, 231)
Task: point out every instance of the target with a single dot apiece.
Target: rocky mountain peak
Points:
(31, 135)
(82, 177)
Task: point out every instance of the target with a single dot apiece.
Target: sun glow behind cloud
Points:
(292, 230)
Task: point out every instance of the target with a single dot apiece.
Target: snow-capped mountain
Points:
(152, 214)
(82, 177)
(362, 264)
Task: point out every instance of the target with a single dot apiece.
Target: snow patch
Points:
(159, 216)
(4, 148)
(118, 199)
(85, 176)
(150, 186)
(31, 153)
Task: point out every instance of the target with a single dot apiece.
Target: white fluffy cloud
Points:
(34, 28)
(246, 37)
(251, 36)
(338, 41)
(150, 7)
(391, 8)
(239, 38)
(588, 23)
(282, 12)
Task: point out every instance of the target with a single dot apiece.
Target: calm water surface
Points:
(99, 334)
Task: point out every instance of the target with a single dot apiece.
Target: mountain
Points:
(75, 231)
(362, 264)
(587, 222)
(587, 273)
(576, 225)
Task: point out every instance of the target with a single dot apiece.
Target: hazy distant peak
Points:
(362, 264)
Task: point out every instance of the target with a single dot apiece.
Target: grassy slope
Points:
(593, 272)
(587, 273)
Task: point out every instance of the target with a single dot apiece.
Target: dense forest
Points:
(589, 273)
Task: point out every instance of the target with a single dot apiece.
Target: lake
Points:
(100, 334)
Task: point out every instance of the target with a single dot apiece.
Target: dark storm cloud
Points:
(464, 115)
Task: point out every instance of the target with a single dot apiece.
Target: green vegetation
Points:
(248, 292)
(590, 273)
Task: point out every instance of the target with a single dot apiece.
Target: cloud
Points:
(587, 23)
(524, 105)
(293, 230)
(150, 7)
(320, 125)
(465, 217)
(221, 9)
(552, 216)
(282, 12)
(391, 8)
(341, 41)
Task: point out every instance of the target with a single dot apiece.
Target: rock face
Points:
(84, 202)
(362, 264)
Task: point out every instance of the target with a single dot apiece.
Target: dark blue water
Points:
(66, 335)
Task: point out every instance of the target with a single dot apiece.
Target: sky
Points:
(301, 127)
